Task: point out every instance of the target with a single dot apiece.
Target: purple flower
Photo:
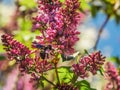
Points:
(19, 52)
(15, 50)
(96, 61)
(90, 63)
(112, 76)
(58, 24)
(80, 70)
(43, 66)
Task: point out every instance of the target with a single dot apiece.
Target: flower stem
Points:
(100, 32)
(48, 81)
(56, 71)
(73, 80)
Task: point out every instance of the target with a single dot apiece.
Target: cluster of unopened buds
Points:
(57, 22)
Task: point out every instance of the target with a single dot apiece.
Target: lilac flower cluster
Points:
(90, 63)
(16, 50)
(19, 52)
(42, 66)
(58, 23)
(112, 76)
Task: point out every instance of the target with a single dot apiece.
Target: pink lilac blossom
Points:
(19, 52)
(112, 76)
(16, 50)
(90, 63)
(43, 66)
(58, 24)
(35, 66)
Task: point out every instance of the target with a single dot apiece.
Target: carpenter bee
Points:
(44, 49)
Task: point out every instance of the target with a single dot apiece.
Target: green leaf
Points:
(2, 57)
(117, 18)
(94, 11)
(40, 84)
(101, 70)
(83, 85)
(92, 89)
(84, 88)
(65, 74)
(116, 60)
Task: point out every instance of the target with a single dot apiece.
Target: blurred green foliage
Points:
(109, 7)
(28, 3)
(24, 33)
(116, 60)
(84, 6)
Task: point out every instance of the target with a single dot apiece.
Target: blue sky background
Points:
(114, 34)
(7, 2)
